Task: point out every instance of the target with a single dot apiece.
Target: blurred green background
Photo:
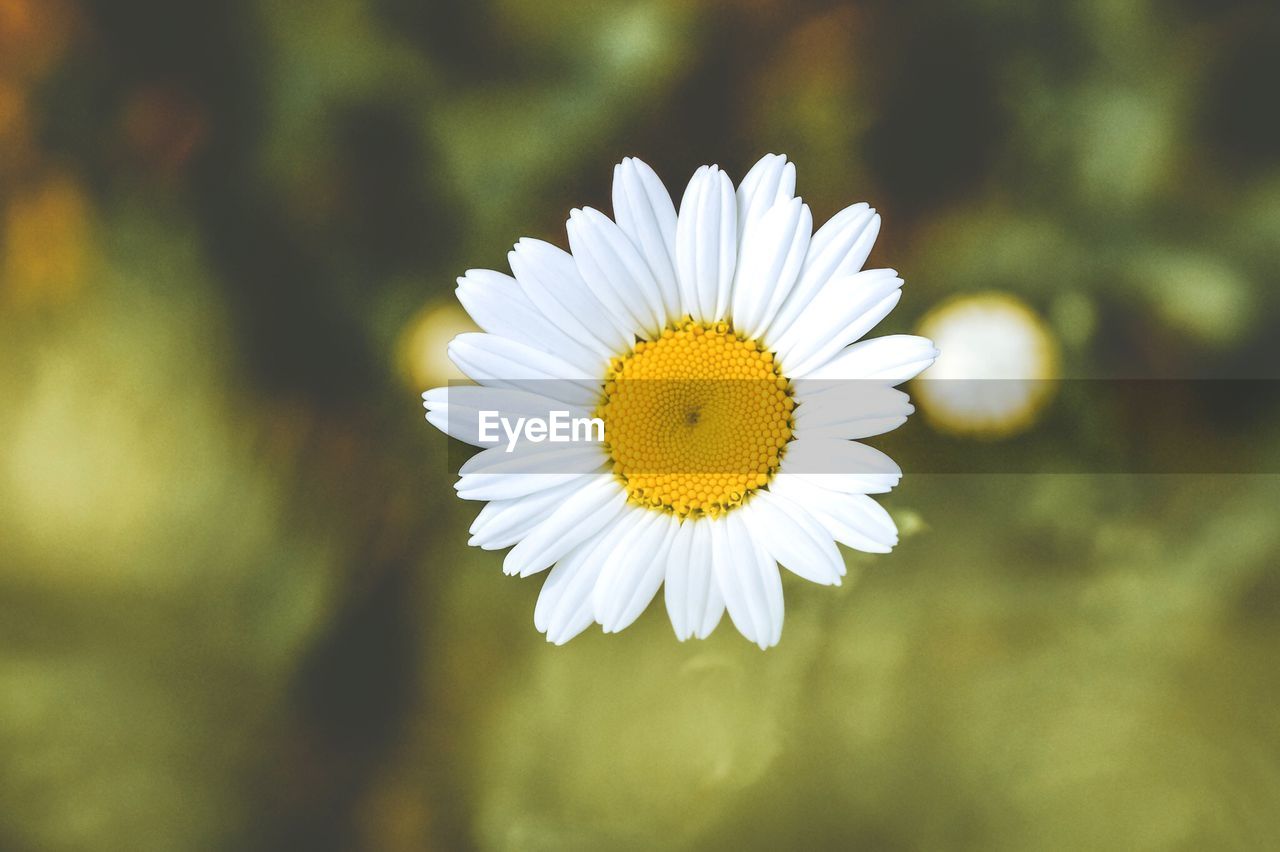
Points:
(236, 606)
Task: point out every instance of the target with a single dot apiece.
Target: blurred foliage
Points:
(236, 606)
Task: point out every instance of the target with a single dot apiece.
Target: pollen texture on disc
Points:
(696, 420)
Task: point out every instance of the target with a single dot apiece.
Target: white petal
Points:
(854, 520)
(564, 580)
(502, 475)
(580, 457)
(845, 240)
(508, 486)
(838, 249)
(577, 519)
(499, 306)
(564, 605)
(508, 401)
(550, 279)
(614, 270)
(771, 181)
(456, 410)
(773, 251)
(749, 580)
(842, 312)
(644, 211)
(894, 358)
(848, 409)
(439, 418)
(792, 536)
(707, 244)
(502, 523)
(460, 422)
(693, 598)
(631, 576)
(846, 466)
(503, 362)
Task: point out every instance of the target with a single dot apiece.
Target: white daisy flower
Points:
(709, 346)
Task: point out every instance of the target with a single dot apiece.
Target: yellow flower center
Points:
(696, 420)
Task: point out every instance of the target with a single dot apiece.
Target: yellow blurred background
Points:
(236, 606)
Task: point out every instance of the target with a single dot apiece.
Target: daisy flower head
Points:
(705, 373)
